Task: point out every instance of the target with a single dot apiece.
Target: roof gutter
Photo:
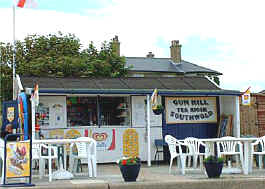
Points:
(144, 92)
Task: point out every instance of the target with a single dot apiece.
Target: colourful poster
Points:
(18, 159)
(105, 140)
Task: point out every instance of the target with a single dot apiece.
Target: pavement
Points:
(154, 177)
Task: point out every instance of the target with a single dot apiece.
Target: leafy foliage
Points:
(58, 55)
(158, 107)
(5, 72)
(129, 161)
(213, 159)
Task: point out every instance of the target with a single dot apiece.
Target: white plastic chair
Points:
(173, 144)
(194, 145)
(86, 151)
(2, 159)
(230, 147)
(49, 157)
(36, 155)
(260, 141)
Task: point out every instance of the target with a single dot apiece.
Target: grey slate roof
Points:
(127, 85)
(144, 64)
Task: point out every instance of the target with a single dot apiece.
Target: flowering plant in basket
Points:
(129, 161)
(158, 109)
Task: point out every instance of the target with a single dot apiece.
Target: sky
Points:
(224, 35)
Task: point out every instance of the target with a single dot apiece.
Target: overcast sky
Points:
(224, 35)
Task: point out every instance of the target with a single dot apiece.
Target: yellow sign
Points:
(18, 159)
(246, 97)
(57, 133)
(72, 133)
(130, 143)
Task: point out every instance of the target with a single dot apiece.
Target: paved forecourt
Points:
(154, 177)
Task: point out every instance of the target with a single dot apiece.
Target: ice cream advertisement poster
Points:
(18, 160)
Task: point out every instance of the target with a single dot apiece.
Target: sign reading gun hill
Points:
(191, 110)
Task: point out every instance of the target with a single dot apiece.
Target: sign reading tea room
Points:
(191, 110)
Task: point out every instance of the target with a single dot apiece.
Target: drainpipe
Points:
(148, 131)
(33, 117)
(237, 125)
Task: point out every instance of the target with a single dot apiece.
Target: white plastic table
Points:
(62, 173)
(246, 149)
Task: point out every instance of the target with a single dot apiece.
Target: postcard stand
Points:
(18, 164)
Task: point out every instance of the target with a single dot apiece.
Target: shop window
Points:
(81, 111)
(115, 111)
(42, 115)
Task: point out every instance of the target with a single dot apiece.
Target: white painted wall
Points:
(139, 116)
(103, 154)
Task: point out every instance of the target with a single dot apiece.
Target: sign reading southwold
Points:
(191, 110)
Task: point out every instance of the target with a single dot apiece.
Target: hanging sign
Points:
(191, 110)
(246, 97)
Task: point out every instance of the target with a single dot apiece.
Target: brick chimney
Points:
(150, 55)
(116, 45)
(175, 51)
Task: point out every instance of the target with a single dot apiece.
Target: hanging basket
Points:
(157, 111)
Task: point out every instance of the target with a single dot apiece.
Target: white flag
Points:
(154, 99)
(26, 3)
(35, 95)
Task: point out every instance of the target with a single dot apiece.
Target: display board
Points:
(18, 159)
(225, 126)
(139, 113)
(222, 127)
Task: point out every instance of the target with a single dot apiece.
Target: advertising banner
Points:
(191, 110)
(18, 159)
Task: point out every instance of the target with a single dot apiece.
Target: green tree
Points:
(58, 55)
(5, 72)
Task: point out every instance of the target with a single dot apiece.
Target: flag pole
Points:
(14, 52)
